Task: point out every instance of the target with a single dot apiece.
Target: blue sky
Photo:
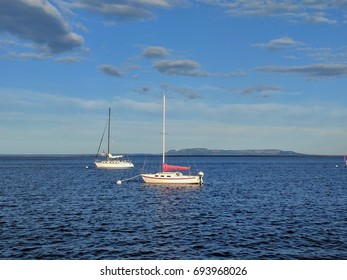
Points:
(238, 75)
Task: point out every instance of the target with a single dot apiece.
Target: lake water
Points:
(249, 208)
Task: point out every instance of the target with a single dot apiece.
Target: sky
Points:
(240, 74)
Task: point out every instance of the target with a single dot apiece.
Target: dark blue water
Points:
(249, 208)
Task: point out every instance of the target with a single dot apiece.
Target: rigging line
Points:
(193, 163)
(188, 163)
(144, 164)
(196, 166)
(102, 138)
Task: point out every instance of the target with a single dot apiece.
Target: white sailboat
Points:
(171, 174)
(111, 161)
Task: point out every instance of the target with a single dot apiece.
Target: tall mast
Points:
(163, 139)
(109, 124)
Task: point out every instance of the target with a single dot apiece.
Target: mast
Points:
(163, 130)
(109, 124)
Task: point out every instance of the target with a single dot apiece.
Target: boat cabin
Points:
(168, 174)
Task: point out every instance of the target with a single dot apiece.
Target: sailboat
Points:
(171, 174)
(111, 161)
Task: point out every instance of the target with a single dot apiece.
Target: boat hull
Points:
(172, 178)
(114, 164)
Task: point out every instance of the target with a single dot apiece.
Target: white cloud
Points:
(183, 91)
(280, 44)
(24, 100)
(264, 90)
(39, 22)
(70, 59)
(315, 12)
(232, 135)
(182, 67)
(187, 67)
(122, 10)
(134, 105)
(155, 52)
(314, 71)
(229, 126)
(110, 70)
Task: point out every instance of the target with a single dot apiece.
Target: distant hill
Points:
(216, 152)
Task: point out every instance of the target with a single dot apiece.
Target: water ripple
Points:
(250, 208)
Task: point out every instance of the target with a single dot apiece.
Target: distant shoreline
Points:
(192, 153)
(248, 152)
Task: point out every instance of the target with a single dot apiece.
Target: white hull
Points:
(111, 162)
(114, 164)
(168, 178)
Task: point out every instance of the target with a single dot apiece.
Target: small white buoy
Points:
(87, 166)
(337, 165)
(119, 182)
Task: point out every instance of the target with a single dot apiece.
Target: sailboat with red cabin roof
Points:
(171, 174)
